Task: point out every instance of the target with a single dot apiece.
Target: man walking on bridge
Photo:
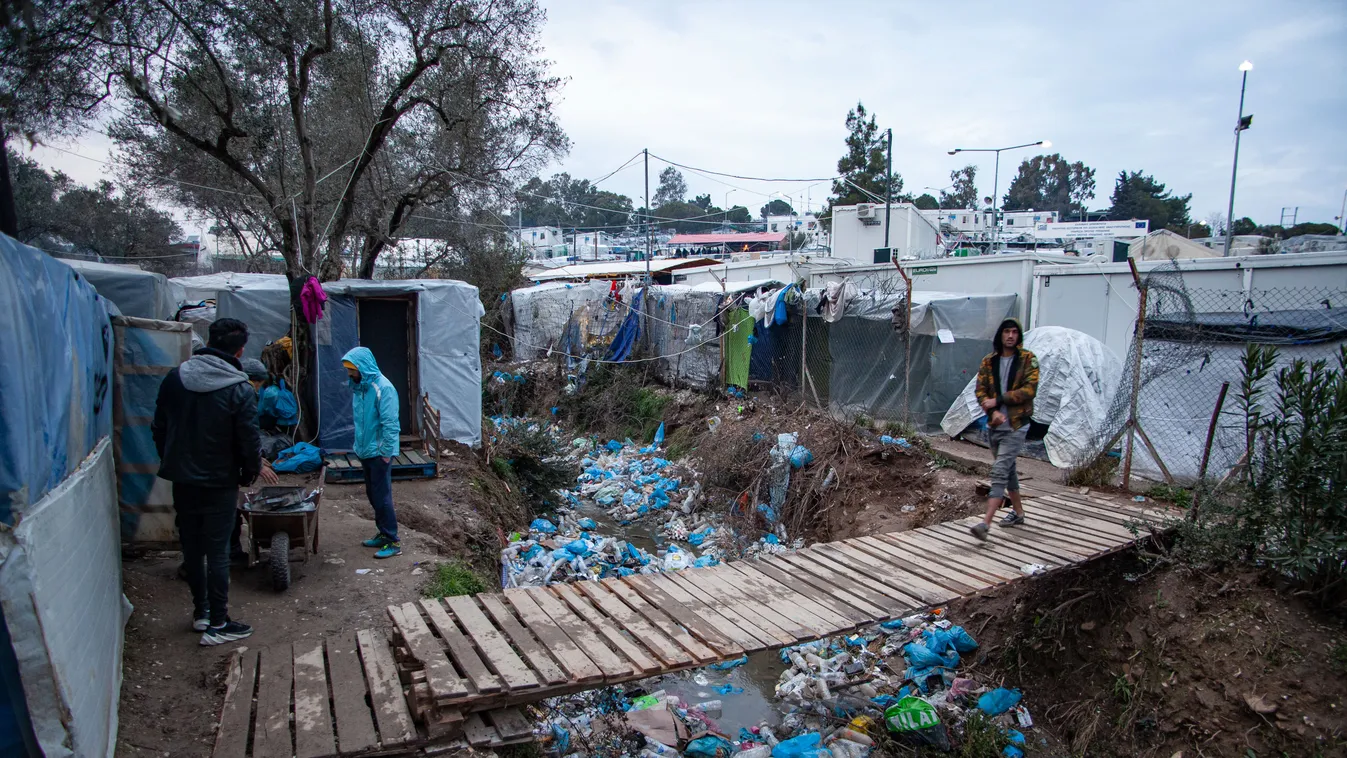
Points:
(1006, 384)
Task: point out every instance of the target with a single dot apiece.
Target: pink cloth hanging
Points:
(311, 299)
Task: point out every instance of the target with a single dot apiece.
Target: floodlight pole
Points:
(1234, 168)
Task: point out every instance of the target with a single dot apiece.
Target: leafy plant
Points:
(1291, 512)
(529, 456)
(453, 578)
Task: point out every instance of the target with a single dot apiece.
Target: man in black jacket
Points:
(205, 429)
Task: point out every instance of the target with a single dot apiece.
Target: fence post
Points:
(1206, 451)
(907, 346)
(1137, 345)
(804, 340)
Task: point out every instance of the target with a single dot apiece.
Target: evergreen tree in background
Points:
(1138, 196)
(1050, 183)
(865, 165)
(965, 189)
(672, 188)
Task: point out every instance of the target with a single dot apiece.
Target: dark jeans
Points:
(205, 525)
(379, 490)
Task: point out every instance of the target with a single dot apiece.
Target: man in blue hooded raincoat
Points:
(374, 407)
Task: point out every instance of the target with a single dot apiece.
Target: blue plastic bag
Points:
(962, 640)
(809, 745)
(999, 701)
(587, 523)
(299, 458)
(709, 746)
(801, 456)
(578, 547)
(919, 656)
(543, 525)
(729, 689)
(727, 665)
(278, 401)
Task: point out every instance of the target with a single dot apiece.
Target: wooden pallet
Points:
(459, 664)
(345, 468)
(338, 697)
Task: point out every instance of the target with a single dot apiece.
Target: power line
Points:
(740, 176)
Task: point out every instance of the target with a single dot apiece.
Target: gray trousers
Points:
(1006, 445)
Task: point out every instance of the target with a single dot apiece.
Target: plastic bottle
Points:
(711, 708)
(846, 733)
(767, 735)
(659, 748)
(761, 751)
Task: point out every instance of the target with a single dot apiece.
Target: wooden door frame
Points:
(413, 353)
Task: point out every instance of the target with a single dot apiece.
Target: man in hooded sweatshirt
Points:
(205, 430)
(1006, 384)
(374, 406)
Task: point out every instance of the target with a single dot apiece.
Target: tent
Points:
(1164, 245)
(423, 332)
(62, 612)
(136, 293)
(1077, 378)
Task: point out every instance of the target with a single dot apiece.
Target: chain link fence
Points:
(1177, 415)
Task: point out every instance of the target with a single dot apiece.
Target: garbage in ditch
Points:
(840, 697)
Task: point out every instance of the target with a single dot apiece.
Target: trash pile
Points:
(631, 482)
(839, 697)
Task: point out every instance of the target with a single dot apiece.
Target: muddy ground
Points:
(1122, 657)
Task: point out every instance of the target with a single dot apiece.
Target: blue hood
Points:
(364, 361)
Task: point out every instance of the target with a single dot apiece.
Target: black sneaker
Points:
(979, 530)
(231, 631)
(1012, 519)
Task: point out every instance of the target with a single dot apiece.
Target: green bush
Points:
(529, 456)
(1289, 510)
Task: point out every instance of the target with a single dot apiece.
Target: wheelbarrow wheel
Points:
(280, 561)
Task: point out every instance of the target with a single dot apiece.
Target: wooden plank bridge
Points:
(458, 669)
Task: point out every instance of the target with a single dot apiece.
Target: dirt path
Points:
(171, 689)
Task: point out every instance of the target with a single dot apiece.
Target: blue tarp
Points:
(56, 377)
(336, 428)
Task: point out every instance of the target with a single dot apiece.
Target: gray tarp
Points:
(142, 294)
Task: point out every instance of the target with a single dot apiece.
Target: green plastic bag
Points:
(915, 722)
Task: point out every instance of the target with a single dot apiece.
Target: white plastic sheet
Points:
(1077, 378)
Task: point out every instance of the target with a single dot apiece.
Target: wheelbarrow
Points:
(282, 518)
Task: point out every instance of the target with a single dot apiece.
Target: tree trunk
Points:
(9, 215)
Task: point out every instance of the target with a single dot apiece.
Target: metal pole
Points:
(1342, 213)
(648, 214)
(1206, 451)
(1234, 170)
(1137, 346)
(888, 193)
(996, 189)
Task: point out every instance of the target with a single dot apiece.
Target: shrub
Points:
(453, 578)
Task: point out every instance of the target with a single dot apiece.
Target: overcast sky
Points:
(763, 88)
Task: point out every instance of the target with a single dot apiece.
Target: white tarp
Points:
(1077, 378)
(142, 294)
(540, 314)
(61, 586)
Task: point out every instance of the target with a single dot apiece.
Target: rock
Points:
(1258, 705)
(1088, 626)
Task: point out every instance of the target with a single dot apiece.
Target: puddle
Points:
(740, 710)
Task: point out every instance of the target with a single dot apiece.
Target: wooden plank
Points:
(416, 457)
(664, 648)
(673, 630)
(385, 690)
(897, 581)
(440, 674)
(271, 735)
(477, 732)
(951, 533)
(583, 608)
(795, 618)
(884, 606)
(465, 657)
(692, 612)
(354, 721)
(1067, 556)
(511, 723)
(1064, 531)
(802, 585)
(821, 620)
(611, 663)
(231, 738)
(578, 666)
(927, 581)
(1111, 523)
(1029, 532)
(938, 553)
(754, 618)
(494, 647)
(991, 550)
(542, 663)
(313, 724)
(792, 575)
(762, 639)
(1046, 512)
(1113, 513)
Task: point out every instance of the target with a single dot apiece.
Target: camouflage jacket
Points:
(1019, 398)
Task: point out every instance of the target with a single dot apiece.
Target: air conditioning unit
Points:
(865, 210)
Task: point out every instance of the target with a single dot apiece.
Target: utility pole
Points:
(1240, 126)
(888, 193)
(647, 217)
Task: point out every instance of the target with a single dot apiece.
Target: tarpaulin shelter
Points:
(423, 332)
(137, 293)
(61, 608)
(1077, 378)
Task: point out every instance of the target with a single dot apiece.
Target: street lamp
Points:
(1240, 125)
(940, 190)
(727, 206)
(996, 177)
